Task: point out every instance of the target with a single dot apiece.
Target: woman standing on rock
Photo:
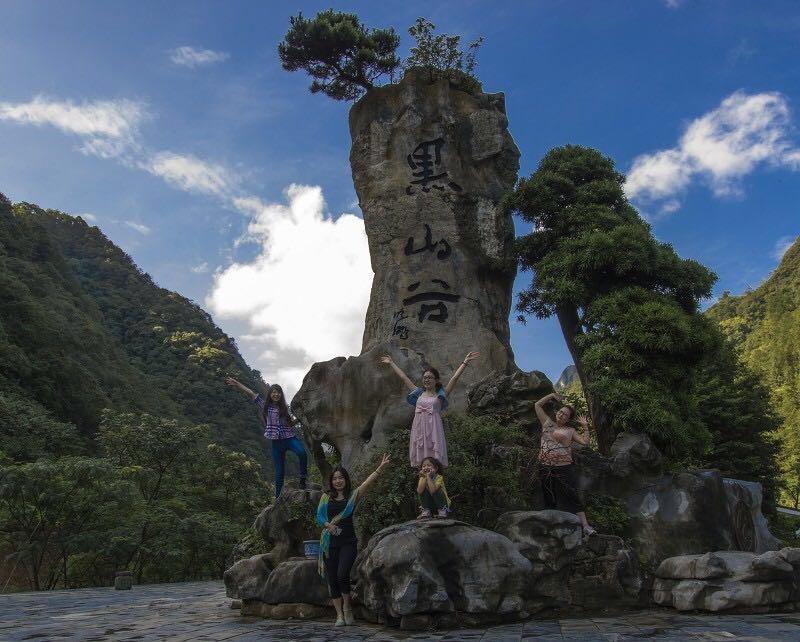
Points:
(427, 431)
(278, 424)
(557, 472)
(338, 544)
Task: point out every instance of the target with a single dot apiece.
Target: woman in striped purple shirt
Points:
(278, 429)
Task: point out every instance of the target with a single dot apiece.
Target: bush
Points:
(608, 515)
(491, 467)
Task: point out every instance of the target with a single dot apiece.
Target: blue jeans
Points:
(279, 448)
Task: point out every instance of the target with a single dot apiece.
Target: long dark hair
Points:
(283, 409)
(347, 486)
(436, 376)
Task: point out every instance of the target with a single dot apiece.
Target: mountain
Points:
(568, 375)
(82, 328)
(764, 325)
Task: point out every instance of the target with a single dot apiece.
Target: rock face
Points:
(728, 579)
(568, 375)
(600, 572)
(247, 578)
(287, 522)
(677, 513)
(750, 527)
(512, 396)
(441, 568)
(430, 163)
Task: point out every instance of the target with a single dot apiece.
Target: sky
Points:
(174, 129)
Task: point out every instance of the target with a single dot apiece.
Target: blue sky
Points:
(173, 128)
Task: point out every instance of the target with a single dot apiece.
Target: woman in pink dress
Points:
(427, 431)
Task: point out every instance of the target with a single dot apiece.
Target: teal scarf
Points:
(322, 517)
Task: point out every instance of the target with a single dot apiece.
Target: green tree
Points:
(52, 510)
(440, 55)
(344, 57)
(627, 304)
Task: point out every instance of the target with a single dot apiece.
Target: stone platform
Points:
(200, 611)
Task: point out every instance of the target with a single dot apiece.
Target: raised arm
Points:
(235, 384)
(409, 384)
(582, 437)
(539, 406)
(459, 371)
(372, 477)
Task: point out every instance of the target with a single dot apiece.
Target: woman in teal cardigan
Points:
(338, 544)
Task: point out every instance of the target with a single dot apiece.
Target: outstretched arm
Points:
(452, 383)
(539, 406)
(400, 373)
(372, 477)
(582, 437)
(235, 384)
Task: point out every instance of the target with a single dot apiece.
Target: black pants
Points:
(560, 488)
(338, 565)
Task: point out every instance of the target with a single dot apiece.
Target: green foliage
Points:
(344, 57)
(786, 528)
(764, 327)
(489, 469)
(82, 329)
(627, 304)
(440, 56)
(609, 515)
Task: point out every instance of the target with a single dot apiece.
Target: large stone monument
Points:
(430, 163)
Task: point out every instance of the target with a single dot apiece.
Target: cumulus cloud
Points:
(192, 174)
(200, 269)
(304, 297)
(720, 147)
(107, 127)
(139, 227)
(191, 57)
(781, 247)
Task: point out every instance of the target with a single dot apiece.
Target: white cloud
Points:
(673, 4)
(304, 297)
(139, 227)
(89, 218)
(720, 147)
(191, 174)
(191, 57)
(107, 127)
(200, 269)
(781, 246)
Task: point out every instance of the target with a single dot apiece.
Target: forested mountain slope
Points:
(764, 325)
(82, 328)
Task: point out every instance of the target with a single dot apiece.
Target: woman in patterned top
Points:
(278, 429)
(557, 472)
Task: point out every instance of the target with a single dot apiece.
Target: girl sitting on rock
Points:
(557, 472)
(338, 544)
(278, 429)
(427, 431)
(433, 498)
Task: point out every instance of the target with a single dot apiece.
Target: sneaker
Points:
(349, 620)
(442, 512)
(302, 484)
(424, 513)
(339, 622)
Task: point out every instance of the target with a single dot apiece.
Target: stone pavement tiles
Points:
(200, 611)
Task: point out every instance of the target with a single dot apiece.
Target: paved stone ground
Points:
(200, 611)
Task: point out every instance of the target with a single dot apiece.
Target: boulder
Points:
(602, 571)
(511, 396)
(722, 580)
(247, 578)
(287, 522)
(750, 527)
(430, 163)
(439, 567)
(635, 453)
(296, 580)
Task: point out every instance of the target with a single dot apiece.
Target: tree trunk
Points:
(571, 329)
